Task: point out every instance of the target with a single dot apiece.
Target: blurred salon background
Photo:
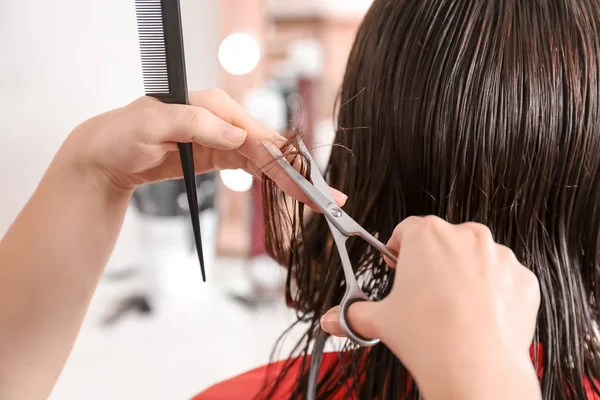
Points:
(155, 330)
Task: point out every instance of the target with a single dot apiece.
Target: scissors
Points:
(342, 226)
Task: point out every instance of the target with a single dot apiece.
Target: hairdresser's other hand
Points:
(462, 312)
(138, 143)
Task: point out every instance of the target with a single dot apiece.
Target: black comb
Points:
(163, 67)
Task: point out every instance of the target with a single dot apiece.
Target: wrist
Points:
(501, 376)
(75, 159)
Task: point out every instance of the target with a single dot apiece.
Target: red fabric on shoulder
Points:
(249, 384)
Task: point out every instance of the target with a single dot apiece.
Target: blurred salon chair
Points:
(158, 216)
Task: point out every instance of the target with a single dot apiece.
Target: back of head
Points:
(471, 110)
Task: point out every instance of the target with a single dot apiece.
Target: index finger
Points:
(223, 106)
(396, 240)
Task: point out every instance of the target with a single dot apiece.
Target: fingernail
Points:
(342, 197)
(339, 196)
(233, 134)
(329, 318)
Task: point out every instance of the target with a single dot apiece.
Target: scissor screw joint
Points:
(336, 212)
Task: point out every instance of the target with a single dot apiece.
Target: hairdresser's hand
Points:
(461, 314)
(54, 253)
(138, 143)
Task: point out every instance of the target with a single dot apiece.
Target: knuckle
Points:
(530, 278)
(147, 117)
(204, 98)
(503, 253)
(144, 101)
(198, 117)
(195, 97)
(410, 221)
(210, 95)
(479, 230)
(532, 285)
(431, 223)
(217, 93)
(398, 229)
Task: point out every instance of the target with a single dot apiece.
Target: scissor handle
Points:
(350, 298)
(353, 291)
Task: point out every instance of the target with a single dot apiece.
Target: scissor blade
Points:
(311, 191)
(315, 175)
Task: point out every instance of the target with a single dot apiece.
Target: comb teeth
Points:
(152, 44)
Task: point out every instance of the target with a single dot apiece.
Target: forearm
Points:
(50, 262)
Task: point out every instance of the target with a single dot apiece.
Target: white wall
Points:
(201, 35)
(61, 63)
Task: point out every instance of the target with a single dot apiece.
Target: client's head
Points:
(471, 110)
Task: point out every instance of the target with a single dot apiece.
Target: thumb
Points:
(361, 318)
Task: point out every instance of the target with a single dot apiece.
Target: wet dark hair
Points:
(471, 110)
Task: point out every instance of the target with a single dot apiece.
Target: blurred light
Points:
(237, 180)
(239, 54)
(267, 106)
(307, 58)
